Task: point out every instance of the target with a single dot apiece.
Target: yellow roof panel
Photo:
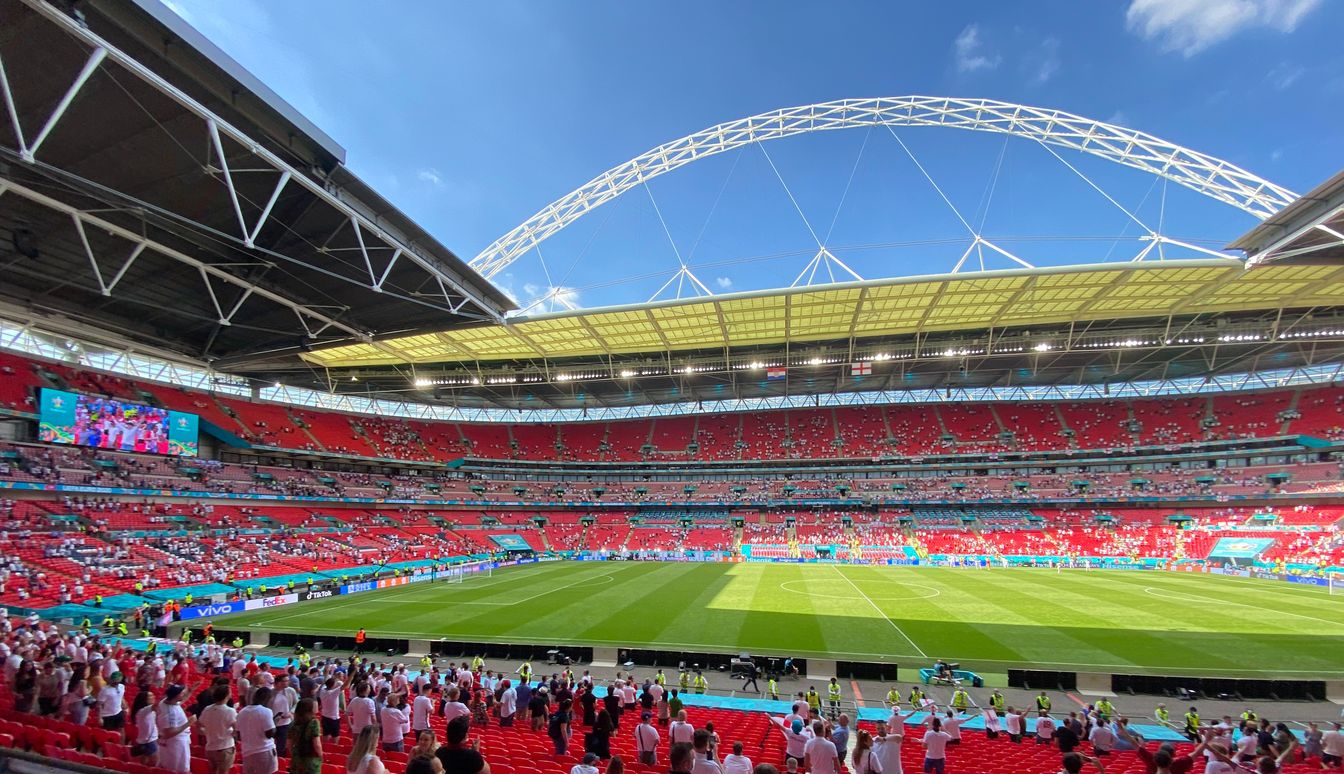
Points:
(970, 301)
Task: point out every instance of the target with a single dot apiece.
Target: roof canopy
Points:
(891, 307)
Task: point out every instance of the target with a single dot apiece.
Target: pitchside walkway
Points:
(1137, 708)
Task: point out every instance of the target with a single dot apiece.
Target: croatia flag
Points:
(860, 369)
(772, 374)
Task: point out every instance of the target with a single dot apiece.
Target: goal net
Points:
(461, 572)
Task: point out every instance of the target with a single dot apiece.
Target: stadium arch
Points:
(1212, 177)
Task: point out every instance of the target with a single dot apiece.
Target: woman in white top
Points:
(864, 762)
(146, 747)
(174, 732)
(363, 758)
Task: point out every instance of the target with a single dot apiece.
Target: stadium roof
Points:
(156, 191)
(863, 310)
(1309, 230)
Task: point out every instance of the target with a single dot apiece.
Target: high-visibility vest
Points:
(699, 683)
(916, 696)
(1162, 715)
(1250, 716)
(996, 701)
(1104, 709)
(661, 679)
(1043, 703)
(960, 699)
(1191, 721)
(833, 691)
(772, 686)
(893, 696)
(813, 699)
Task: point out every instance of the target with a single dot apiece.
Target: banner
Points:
(209, 611)
(277, 601)
(1240, 548)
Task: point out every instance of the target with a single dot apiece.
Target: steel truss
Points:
(372, 238)
(1199, 172)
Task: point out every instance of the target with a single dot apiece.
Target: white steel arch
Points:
(1212, 177)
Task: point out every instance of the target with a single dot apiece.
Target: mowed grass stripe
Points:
(991, 617)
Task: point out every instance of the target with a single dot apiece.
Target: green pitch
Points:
(990, 620)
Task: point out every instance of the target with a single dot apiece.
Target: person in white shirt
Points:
(935, 748)
(1246, 747)
(680, 730)
(952, 726)
(112, 704)
(143, 715)
(1332, 747)
(174, 729)
(452, 707)
(819, 753)
(421, 709)
(796, 736)
(1045, 728)
(887, 747)
(865, 761)
(1014, 723)
(737, 763)
(256, 734)
(217, 723)
(360, 710)
(646, 741)
(283, 701)
(508, 704)
(587, 766)
(394, 723)
(331, 700)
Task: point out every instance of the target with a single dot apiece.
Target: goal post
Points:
(458, 573)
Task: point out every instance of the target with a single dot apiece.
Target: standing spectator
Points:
(1013, 723)
(865, 761)
(1102, 739)
(305, 739)
(394, 723)
(558, 727)
(1332, 747)
(704, 760)
(1045, 728)
(111, 704)
(331, 699)
(174, 726)
(819, 754)
(935, 748)
(598, 740)
(735, 762)
(887, 747)
(217, 723)
(146, 747)
(646, 741)
(283, 700)
(256, 734)
(840, 737)
(422, 708)
(508, 704)
(361, 711)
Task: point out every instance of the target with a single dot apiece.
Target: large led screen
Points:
(115, 425)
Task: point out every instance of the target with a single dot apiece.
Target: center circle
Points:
(847, 591)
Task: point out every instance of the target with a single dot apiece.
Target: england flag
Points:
(861, 369)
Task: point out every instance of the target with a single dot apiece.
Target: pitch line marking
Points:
(786, 587)
(1185, 596)
(894, 625)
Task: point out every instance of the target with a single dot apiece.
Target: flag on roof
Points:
(861, 369)
(772, 374)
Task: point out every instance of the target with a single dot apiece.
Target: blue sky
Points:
(472, 116)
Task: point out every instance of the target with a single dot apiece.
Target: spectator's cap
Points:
(797, 725)
(116, 677)
(589, 759)
(173, 692)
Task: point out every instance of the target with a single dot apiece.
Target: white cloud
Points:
(1283, 76)
(1118, 118)
(1190, 26)
(968, 51)
(1043, 62)
(1276, 154)
(724, 282)
(430, 175)
(531, 290)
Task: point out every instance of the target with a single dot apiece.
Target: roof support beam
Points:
(71, 27)
(96, 58)
(82, 218)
